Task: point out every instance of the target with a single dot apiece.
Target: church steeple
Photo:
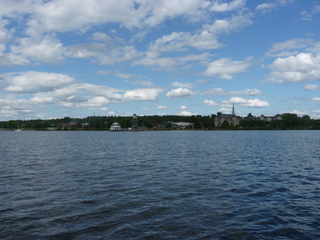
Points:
(233, 112)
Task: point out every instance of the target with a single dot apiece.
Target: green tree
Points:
(225, 124)
(290, 120)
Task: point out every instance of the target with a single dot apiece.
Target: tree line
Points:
(289, 121)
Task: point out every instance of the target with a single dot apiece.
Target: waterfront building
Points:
(115, 127)
(270, 118)
(232, 119)
(134, 123)
(180, 125)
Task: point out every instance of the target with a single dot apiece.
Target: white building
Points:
(115, 127)
(181, 125)
(232, 119)
(270, 118)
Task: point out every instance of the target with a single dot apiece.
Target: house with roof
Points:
(270, 118)
(232, 119)
(180, 125)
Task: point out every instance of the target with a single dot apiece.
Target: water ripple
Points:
(160, 185)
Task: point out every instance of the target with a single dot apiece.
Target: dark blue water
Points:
(160, 185)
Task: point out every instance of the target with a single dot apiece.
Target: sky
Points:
(79, 58)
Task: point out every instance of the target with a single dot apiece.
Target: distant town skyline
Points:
(172, 57)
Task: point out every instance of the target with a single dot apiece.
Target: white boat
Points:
(18, 130)
(115, 127)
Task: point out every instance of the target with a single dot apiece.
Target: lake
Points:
(160, 185)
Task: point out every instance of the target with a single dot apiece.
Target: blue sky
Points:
(78, 58)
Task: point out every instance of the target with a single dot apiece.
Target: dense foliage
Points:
(289, 121)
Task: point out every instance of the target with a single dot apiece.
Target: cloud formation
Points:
(29, 82)
(180, 93)
(219, 91)
(311, 87)
(210, 103)
(299, 68)
(252, 103)
(225, 67)
(143, 94)
(97, 55)
(183, 85)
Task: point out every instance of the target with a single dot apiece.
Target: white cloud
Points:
(9, 59)
(303, 67)
(71, 96)
(186, 113)
(5, 34)
(123, 75)
(98, 36)
(47, 49)
(93, 102)
(246, 102)
(225, 67)
(144, 83)
(210, 103)
(103, 72)
(162, 107)
(272, 80)
(180, 93)
(299, 112)
(45, 99)
(265, 6)
(60, 16)
(178, 41)
(295, 68)
(219, 91)
(206, 38)
(219, 6)
(147, 94)
(110, 41)
(291, 44)
(102, 53)
(11, 107)
(116, 73)
(183, 85)
(225, 110)
(159, 11)
(308, 15)
(183, 107)
(281, 54)
(203, 81)
(311, 87)
(85, 88)
(168, 63)
(35, 32)
(35, 81)
(316, 99)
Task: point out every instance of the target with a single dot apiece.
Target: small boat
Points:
(18, 130)
(115, 127)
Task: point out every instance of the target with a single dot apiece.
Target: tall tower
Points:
(134, 123)
(233, 112)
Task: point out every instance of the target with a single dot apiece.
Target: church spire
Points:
(233, 112)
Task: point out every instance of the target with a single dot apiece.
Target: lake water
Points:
(160, 185)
